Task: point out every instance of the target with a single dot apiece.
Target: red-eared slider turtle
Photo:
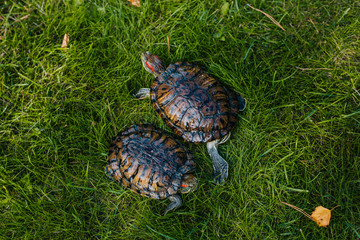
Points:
(151, 163)
(196, 106)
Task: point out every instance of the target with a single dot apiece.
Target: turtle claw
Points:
(220, 177)
(142, 93)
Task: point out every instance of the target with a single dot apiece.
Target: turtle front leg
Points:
(220, 165)
(175, 203)
(143, 93)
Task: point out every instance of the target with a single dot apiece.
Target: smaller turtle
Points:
(151, 163)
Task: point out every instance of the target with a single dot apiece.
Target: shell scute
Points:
(191, 119)
(165, 94)
(175, 111)
(186, 88)
(209, 109)
(221, 122)
(131, 170)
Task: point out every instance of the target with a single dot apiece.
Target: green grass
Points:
(298, 140)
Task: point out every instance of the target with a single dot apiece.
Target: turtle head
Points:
(152, 63)
(188, 183)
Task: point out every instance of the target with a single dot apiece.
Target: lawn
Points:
(298, 141)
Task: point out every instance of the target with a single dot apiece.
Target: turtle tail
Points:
(242, 102)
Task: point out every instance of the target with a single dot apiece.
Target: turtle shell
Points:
(148, 161)
(194, 104)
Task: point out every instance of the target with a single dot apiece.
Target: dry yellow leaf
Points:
(65, 41)
(136, 3)
(321, 216)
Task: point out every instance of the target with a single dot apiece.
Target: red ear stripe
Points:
(183, 185)
(149, 66)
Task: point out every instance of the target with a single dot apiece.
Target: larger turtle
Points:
(195, 105)
(151, 163)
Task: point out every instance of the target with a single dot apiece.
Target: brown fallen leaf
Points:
(65, 41)
(135, 3)
(321, 215)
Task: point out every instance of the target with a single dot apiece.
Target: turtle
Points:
(194, 104)
(151, 163)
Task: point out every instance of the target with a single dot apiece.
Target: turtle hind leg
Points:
(242, 102)
(143, 93)
(175, 203)
(220, 165)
